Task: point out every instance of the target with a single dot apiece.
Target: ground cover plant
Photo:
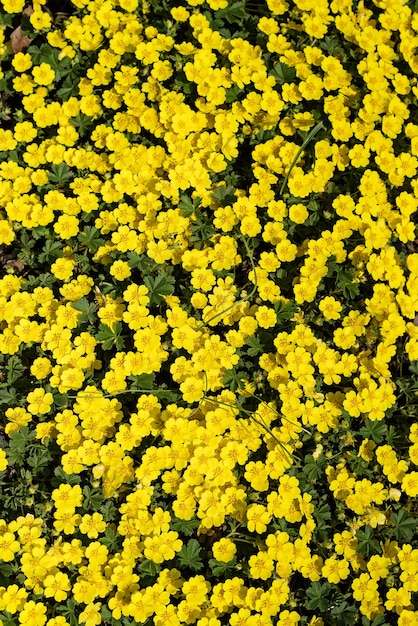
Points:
(208, 313)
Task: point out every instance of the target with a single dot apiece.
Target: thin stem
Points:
(247, 297)
(309, 136)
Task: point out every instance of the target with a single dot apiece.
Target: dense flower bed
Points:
(208, 331)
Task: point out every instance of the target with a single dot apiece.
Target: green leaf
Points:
(60, 174)
(344, 613)
(373, 429)
(20, 438)
(317, 594)
(6, 19)
(149, 568)
(82, 123)
(232, 13)
(188, 206)
(283, 73)
(134, 259)
(367, 544)
(110, 540)
(52, 250)
(39, 231)
(108, 510)
(256, 347)
(8, 396)
(143, 381)
(68, 610)
(49, 55)
(87, 309)
(313, 468)
(14, 369)
(405, 525)
(234, 379)
(107, 337)
(322, 514)
(378, 621)
(285, 311)
(62, 477)
(413, 367)
(61, 399)
(160, 286)
(187, 527)
(106, 614)
(92, 498)
(6, 575)
(218, 567)
(39, 459)
(7, 620)
(232, 93)
(189, 555)
(223, 193)
(90, 237)
(345, 282)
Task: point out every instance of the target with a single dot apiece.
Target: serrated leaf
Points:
(373, 429)
(285, 311)
(110, 539)
(142, 381)
(256, 346)
(367, 543)
(107, 337)
(160, 286)
(149, 568)
(405, 525)
(189, 555)
(312, 468)
(283, 73)
(187, 527)
(7, 621)
(232, 13)
(218, 567)
(90, 237)
(317, 594)
(232, 93)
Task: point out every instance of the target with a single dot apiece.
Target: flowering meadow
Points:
(208, 313)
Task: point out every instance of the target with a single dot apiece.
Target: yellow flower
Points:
(257, 518)
(91, 614)
(39, 402)
(3, 460)
(410, 484)
(40, 20)
(56, 586)
(43, 74)
(298, 213)
(224, 550)
(33, 613)
(22, 61)
(120, 270)
(330, 308)
(261, 566)
(180, 14)
(335, 570)
(266, 317)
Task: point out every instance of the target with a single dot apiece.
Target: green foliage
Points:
(318, 596)
(221, 410)
(160, 286)
(109, 337)
(405, 525)
(190, 556)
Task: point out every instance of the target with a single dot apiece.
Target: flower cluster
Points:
(209, 324)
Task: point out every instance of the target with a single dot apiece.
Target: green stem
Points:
(247, 297)
(308, 137)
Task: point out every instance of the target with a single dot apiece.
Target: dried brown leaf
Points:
(19, 41)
